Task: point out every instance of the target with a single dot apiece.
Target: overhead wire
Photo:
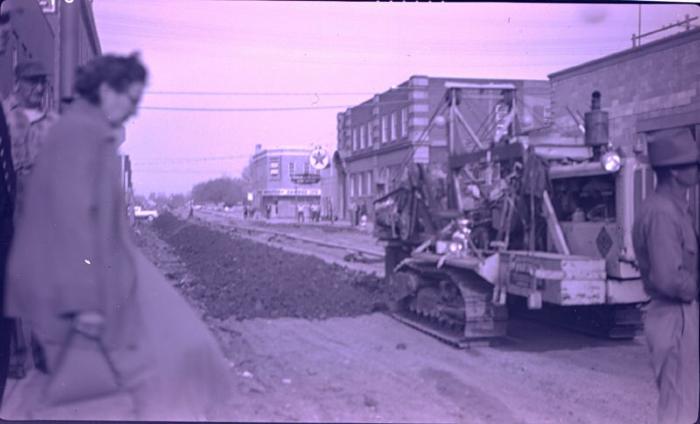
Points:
(267, 109)
(164, 161)
(234, 109)
(252, 93)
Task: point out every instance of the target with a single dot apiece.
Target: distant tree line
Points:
(223, 190)
(228, 191)
(160, 200)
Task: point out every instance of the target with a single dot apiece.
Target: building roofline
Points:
(651, 47)
(405, 85)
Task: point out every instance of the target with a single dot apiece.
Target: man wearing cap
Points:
(28, 119)
(28, 122)
(666, 247)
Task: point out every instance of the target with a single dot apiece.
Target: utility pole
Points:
(639, 21)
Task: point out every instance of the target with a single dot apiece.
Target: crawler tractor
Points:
(510, 225)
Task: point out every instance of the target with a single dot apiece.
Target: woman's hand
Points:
(89, 323)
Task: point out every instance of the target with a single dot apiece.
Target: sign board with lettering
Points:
(292, 192)
(306, 178)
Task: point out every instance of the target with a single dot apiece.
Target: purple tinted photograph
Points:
(306, 211)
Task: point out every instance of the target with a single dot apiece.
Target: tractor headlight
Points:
(455, 247)
(611, 161)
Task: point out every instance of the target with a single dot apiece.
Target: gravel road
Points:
(323, 355)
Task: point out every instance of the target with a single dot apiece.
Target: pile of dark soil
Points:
(236, 277)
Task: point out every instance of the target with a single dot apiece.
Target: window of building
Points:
(274, 168)
(362, 136)
(369, 134)
(291, 169)
(354, 139)
(404, 122)
(393, 126)
(385, 129)
(370, 183)
(361, 184)
(306, 167)
(353, 185)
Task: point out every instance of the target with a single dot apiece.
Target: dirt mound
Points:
(240, 278)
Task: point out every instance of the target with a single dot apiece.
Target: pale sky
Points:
(278, 54)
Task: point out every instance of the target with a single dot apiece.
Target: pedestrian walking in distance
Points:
(119, 341)
(666, 247)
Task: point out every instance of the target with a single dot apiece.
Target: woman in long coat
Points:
(73, 267)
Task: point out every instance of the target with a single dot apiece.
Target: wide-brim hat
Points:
(30, 69)
(672, 147)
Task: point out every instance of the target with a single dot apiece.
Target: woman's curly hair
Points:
(119, 72)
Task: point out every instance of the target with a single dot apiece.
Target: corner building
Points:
(275, 174)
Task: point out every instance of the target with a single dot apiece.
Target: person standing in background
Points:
(28, 119)
(7, 205)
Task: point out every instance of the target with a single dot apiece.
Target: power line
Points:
(250, 93)
(159, 161)
(185, 171)
(268, 109)
(235, 109)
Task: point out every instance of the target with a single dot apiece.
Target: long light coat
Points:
(71, 251)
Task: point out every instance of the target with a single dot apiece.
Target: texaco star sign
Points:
(319, 158)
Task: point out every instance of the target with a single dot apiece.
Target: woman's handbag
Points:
(84, 371)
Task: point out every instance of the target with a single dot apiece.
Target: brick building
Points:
(377, 138)
(275, 175)
(654, 86)
(645, 88)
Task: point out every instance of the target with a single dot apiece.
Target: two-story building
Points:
(282, 179)
(378, 138)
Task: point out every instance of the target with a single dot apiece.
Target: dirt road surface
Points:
(367, 367)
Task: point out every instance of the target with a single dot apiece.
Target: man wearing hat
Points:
(28, 122)
(27, 117)
(666, 247)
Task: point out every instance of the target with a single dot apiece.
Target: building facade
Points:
(653, 86)
(283, 179)
(380, 137)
